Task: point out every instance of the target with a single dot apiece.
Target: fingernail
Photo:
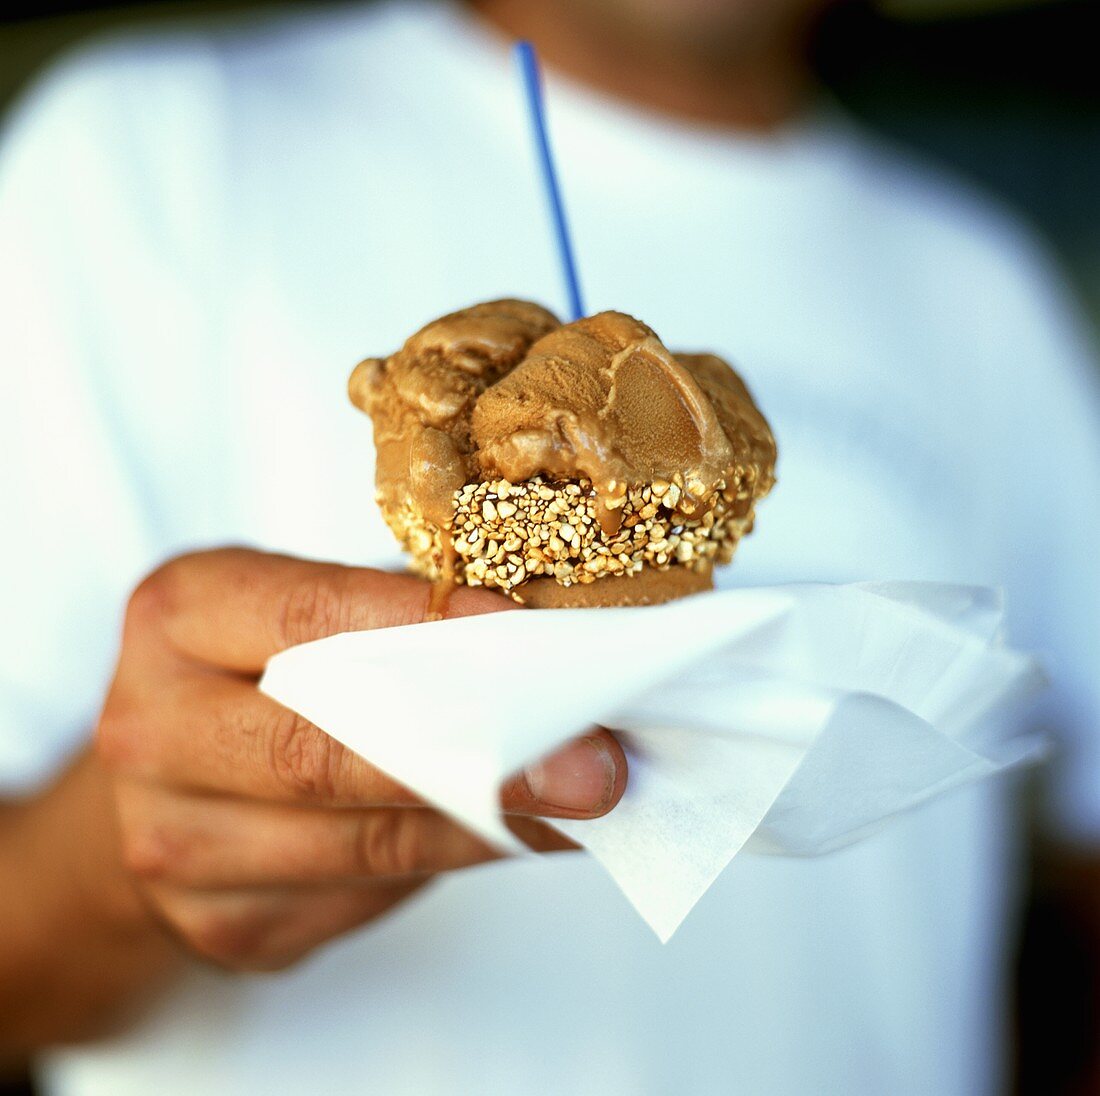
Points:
(580, 777)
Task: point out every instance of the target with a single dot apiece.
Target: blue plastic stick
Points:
(532, 82)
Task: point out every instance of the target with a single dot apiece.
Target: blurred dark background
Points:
(1006, 93)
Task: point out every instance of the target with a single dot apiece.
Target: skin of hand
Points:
(210, 820)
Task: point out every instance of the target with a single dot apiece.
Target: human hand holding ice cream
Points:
(226, 826)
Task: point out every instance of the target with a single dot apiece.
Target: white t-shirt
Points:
(200, 235)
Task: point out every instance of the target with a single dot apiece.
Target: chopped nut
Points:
(505, 534)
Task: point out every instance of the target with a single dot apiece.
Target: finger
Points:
(233, 608)
(226, 843)
(538, 835)
(260, 931)
(205, 732)
(209, 733)
(583, 779)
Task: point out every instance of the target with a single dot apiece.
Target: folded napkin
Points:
(789, 720)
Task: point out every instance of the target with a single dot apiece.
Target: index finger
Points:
(216, 735)
(234, 608)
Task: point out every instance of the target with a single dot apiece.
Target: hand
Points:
(251, 833)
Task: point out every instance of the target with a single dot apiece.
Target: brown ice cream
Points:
(565, 464)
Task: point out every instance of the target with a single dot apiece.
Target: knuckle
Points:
(121, 739)
(313, 607)
(154, 598)
(147, 853)
(232, 940)
(389, 843)
(304, 760)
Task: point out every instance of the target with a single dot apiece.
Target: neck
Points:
(754, 82)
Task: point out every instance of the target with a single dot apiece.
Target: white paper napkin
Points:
(788, 720)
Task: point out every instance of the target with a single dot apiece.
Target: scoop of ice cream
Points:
(752, 473)
(517, 452)
(603, 400)
(421, 399)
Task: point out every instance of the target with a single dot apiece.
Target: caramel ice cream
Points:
(565, 464)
